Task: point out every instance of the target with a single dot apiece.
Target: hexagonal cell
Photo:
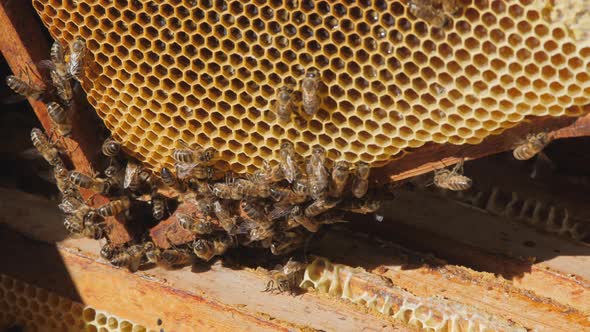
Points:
(380, 58)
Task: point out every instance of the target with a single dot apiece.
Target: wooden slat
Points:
(435, 156)
(23, 45)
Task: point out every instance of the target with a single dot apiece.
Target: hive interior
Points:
(206, 72)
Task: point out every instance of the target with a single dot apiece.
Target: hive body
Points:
(207, 72)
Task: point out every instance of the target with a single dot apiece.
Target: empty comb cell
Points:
(388, 80)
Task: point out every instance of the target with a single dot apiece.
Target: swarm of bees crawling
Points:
(277, 208)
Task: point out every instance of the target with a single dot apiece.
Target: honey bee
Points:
(95, 184)
(289, 196)
(62, 86)
(70, 204)
(170, 181)
(270, 174)
(201, 187)
(115, 173)
(363, 206)
(317, 174)
(47, 150)
(171, 258)
(340, 174)
(309, 92)
(287, 242)
(57, 57)
(59, 117)
(452, 179)
(247, 188)
(114, 207)
(189, 155)
(284, 105)
(132, 257)
(288, 163)
(451, 7)
(425, 10)
(223, 215)
(76, 61)
(195, 224)
(226, 191)
(360, 184)
(72, 225)
(255, 230)
(535, 143)
(137, 178)
(158, 206)
(110, 147)
(81, 213)
(255, 213)
(297, 216)
(86, 229)
(152, 253)
(84, 181)
(320, 206)
(26, 89)
(286, 278)
(206, 249)
(108, 251)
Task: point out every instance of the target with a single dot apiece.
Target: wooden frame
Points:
(224, 299)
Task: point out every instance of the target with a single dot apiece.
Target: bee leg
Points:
(269, 286)
(458, 169)
(77, 147)
(542, 166)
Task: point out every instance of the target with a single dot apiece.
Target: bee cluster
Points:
(277, 207)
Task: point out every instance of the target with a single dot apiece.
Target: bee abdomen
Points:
(113, 208)
(183, 156)
(524, 153)
(159, 207)
(458, 183)
(121, 259)
(59, 116)
(23, 88)
(111, 148)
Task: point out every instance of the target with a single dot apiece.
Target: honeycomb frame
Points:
(36, 309)
(206, 72)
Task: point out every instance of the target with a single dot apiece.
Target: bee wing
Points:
(67, 206)
(130, 172)
(291, 169)
(280, 211)
(319, 171)
(293, 266)
(184, 170)
(46, 64)
(245, 227)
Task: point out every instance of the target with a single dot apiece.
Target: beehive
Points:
(207, 72)
(36, 309)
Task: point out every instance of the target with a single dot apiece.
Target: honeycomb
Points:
(430, 314)
(35, 309)
(206, 72)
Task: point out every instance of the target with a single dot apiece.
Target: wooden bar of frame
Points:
(551, 295)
